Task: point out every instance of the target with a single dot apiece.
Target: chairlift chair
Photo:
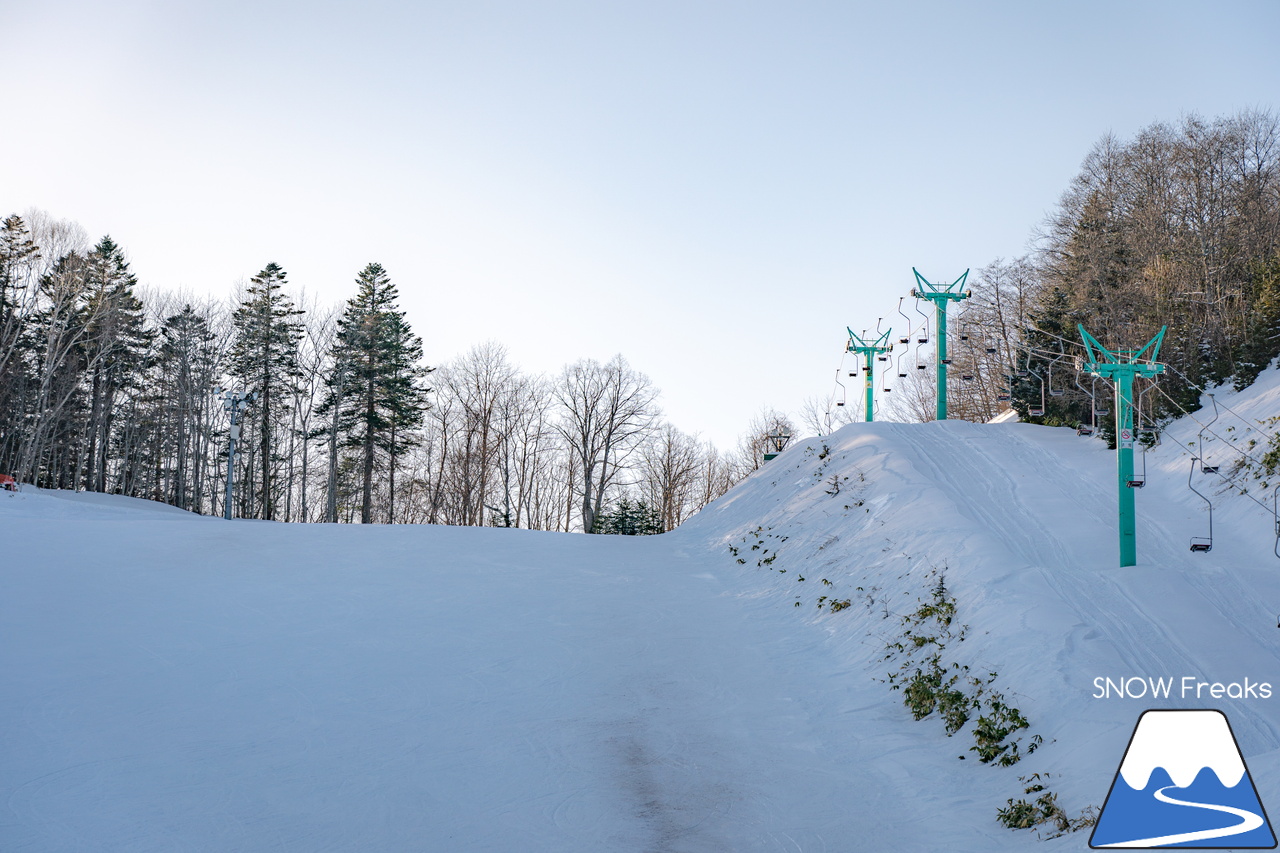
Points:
(1139, 477)
(1275, 512)
(1037, 411)
(1201, 543)
(923, 336)
(1205, 468)
(1055, 392)
(1103, 410)
(905, 337)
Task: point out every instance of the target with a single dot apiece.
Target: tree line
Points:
(1178, 227)
(107, 387)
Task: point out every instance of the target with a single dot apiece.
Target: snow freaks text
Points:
(1186, 687)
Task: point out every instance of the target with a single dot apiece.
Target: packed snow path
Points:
(201, 685)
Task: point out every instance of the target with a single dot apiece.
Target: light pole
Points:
(233, 403)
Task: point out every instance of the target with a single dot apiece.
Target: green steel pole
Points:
(1124, 456)
(941, 315)
(870, 385)
(1122, 366)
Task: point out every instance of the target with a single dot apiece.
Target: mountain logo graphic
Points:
(1183, 783)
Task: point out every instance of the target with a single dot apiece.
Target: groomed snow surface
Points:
(177, 683)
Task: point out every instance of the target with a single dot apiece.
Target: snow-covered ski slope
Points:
(172, 682)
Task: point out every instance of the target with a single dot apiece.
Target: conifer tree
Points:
(18, 257)
(264, 355)
(375, 398)
(188, 369)
(118, 342)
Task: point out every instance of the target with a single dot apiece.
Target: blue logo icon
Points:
(1183, 783)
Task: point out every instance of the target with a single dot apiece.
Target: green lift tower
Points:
(940, 296)
(1121, 367)
(869, 351)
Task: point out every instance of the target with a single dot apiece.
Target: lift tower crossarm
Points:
(940, 296)
(1121, 367)
(868, 351)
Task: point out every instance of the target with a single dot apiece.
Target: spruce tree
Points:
(18, 257)
(375, 398)
(188, 368)
(117, 344)
(264, 355)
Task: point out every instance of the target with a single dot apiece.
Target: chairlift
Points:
(923, 335)
(967, 377)
(905, 338)
(902, 371)
(1275, 512)
(1206, 468)
(843, 393)
(1055, 392)
(1003, 397)
(1201, 543)
(1148, 434)
(1092, 426)
(1139, 477)
(1037, 411)
(946, 361)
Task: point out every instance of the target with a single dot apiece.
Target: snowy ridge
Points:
(1024, 520)
(33, 502)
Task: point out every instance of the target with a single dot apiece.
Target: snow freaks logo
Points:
(1183, 783)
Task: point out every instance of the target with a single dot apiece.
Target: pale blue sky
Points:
(713, 189)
